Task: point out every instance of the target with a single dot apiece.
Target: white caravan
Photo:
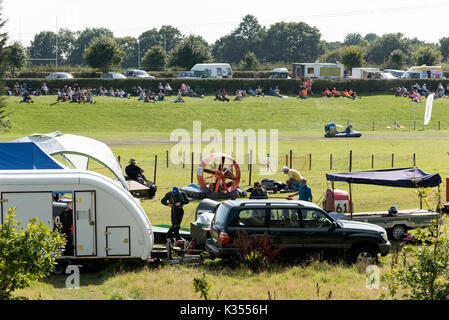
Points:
(318, 70)
(366, 73)
(212, 70)
(107, 222)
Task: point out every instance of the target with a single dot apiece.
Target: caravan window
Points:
(219, 72)
(311, 70)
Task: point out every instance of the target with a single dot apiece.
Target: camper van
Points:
(279, 73)
(318, 70)
(424, 72)
(366, 73)
(213, 70)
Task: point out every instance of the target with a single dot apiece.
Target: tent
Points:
(402, 178)
(77, 150)
(25, 156)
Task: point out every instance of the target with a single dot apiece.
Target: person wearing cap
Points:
(134, 172)
(294, 178)
(175, 199)
(304, 191)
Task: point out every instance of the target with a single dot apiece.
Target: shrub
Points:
(256, 252)
(26, 254)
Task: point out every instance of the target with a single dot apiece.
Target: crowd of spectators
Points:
(421, 91)
(334, 93)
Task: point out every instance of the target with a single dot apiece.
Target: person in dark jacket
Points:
(175, 199)
(134, 172)
(258, 192)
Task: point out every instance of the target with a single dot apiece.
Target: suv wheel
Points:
(397, 232)
(364, 255)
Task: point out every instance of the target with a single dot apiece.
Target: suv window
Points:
(251, 217)
(221, 215)
(285, 218)
(314, 219)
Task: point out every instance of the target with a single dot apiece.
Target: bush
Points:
(26, 254)
(256, 252)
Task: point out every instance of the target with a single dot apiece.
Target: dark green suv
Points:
(300, 227)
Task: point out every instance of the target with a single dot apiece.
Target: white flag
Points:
(428, 113)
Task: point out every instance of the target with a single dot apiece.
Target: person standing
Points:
(175, 199)
(304, 191)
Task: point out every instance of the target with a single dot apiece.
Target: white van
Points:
(279, 73)
(213, 70)
(424, 72)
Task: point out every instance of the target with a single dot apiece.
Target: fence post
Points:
(191, 169)
(373, 125)
(291, 156)
(166, 153)
(183, 159)
(372, 161)
(286, 160)
(392, 160)
(350, 161)
(250, 172)
(155, 168)
(310, 161)
(330, 161)
(414, 160)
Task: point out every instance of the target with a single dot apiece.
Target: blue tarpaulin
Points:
(404, 178)
(25, 156)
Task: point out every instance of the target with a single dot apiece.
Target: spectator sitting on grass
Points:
(251, 92)
(27, 98)
(168, 89)
(142, 95)
(259, 92)
(303, 93)
(224, 95)
(149, 96)
(184, 88)
(44, 89)
(89, 97)
(179, 97)
(238, 95)
(353, 94)
(218, 96)
(277, 92)
(326, 93)
(160, 96)
(160, 87)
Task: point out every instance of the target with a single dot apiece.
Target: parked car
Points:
(191, 74)
(136, 74)
(59, 75)
(112, 75)
(300, 227)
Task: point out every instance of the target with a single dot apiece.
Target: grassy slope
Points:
(123, 123)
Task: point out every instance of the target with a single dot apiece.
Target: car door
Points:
(285, 228)
(253, 221)
(318, 234)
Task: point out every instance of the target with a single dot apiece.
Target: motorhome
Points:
(107, 222)
(279, 73)
(424, 72)
(366, 73)
(318, 70)
(213, 70)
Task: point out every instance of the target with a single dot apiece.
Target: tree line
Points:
(247, 46)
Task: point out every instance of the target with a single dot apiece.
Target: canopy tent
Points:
(77, 150)
(404, 178)
(25, 156)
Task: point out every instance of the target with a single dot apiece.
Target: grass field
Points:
(140, 130)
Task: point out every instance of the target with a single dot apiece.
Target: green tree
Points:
(352, 57)
(15, 57)
(43, 47)
(426, 55)
(444, 47)
(249, 62)
(82, 42)
(353, 39)
(4, 121)
(379, 50)
(66, 44)
(26, 254)
(291, 42)
(103, 53)
(129, 47)
(167, 37)
(192, 50)
(397, 59)
(331, 56)
(370, 37)
(154, 59)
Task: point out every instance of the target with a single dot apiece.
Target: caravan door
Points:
(85, 223)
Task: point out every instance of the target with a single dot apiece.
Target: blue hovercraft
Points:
(331, 132)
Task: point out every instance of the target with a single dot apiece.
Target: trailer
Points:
(318, 70)
(397, 222)
(366, 73)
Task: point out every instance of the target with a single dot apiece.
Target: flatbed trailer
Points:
(398, 224)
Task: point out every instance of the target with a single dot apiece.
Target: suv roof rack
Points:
(269, 203)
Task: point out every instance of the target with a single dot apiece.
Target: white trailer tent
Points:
(318, 70)
(108, 222)
(77, 150)
(213, 70)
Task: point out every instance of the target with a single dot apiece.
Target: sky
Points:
(212, 19)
